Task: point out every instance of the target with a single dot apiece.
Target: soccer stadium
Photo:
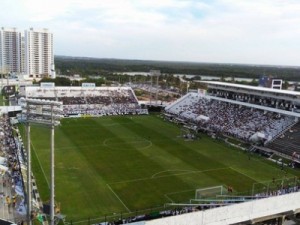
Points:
(227, 154)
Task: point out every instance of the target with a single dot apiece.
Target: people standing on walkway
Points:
(8, 202)
(14, 200)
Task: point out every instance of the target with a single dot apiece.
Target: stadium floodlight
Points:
(44, 112)
(154, 73)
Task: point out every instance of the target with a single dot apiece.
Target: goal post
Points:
(210, 192)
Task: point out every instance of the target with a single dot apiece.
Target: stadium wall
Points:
(8, 109)
(178, 100)
(248, 212)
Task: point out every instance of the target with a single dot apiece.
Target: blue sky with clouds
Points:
(225, 31)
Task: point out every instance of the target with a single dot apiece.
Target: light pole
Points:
(28, 175)
(152, 74)
(47, 113)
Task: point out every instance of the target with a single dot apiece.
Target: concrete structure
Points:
(8, 109)
(39, 58)
(10, 51)
(281, 101)
(253, 212)
(30, 54)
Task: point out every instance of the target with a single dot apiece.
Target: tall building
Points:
(10, 51)
(39, 58)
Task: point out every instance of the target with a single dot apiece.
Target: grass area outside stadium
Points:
(122, 164)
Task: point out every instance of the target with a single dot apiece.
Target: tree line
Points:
(108, 67)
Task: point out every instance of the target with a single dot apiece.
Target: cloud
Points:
(248, 31)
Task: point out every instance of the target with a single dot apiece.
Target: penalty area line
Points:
(167, 197)
(40, 164)
(109, 187)
(240, 172)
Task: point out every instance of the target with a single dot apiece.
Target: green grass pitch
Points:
(123, 164)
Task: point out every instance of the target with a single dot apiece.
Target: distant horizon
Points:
(174, 61)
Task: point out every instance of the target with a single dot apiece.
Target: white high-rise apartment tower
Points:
(10, 51)
(39, 58)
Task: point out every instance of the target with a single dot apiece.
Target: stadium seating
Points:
(288, 143)
(231, 119)
(287, 105)
(96, 101)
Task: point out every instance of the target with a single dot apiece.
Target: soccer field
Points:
(122, 164)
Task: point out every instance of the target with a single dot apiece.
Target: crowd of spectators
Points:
(155, 215)
(288, 143)
(283, 104)
(207, 205)
(156, 89)
(232, 119)
(102, 110)
(280, 191)
(11, 174)
(96, 101)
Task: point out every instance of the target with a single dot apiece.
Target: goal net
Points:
(210, 192)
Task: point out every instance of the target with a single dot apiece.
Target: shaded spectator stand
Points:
(46, 113)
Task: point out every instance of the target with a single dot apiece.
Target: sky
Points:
(222, 31)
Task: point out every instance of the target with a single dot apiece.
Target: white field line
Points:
(182, 172)
(169, 175)
(104, 125)
(115, 124)
(177, 192)
(191, 171)
(81, 146)
(140, 140)
(118, 198)
(243, 174)
(167, 197)
(104, 144)
(33, 148)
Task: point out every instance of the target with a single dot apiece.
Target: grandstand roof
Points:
(256, 88)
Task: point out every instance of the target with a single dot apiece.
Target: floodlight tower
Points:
(47, 113)
(154, 73)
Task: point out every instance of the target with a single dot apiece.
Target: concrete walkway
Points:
(8, 211)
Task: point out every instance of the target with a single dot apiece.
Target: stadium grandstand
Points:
(88, 101)
(267, 118)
